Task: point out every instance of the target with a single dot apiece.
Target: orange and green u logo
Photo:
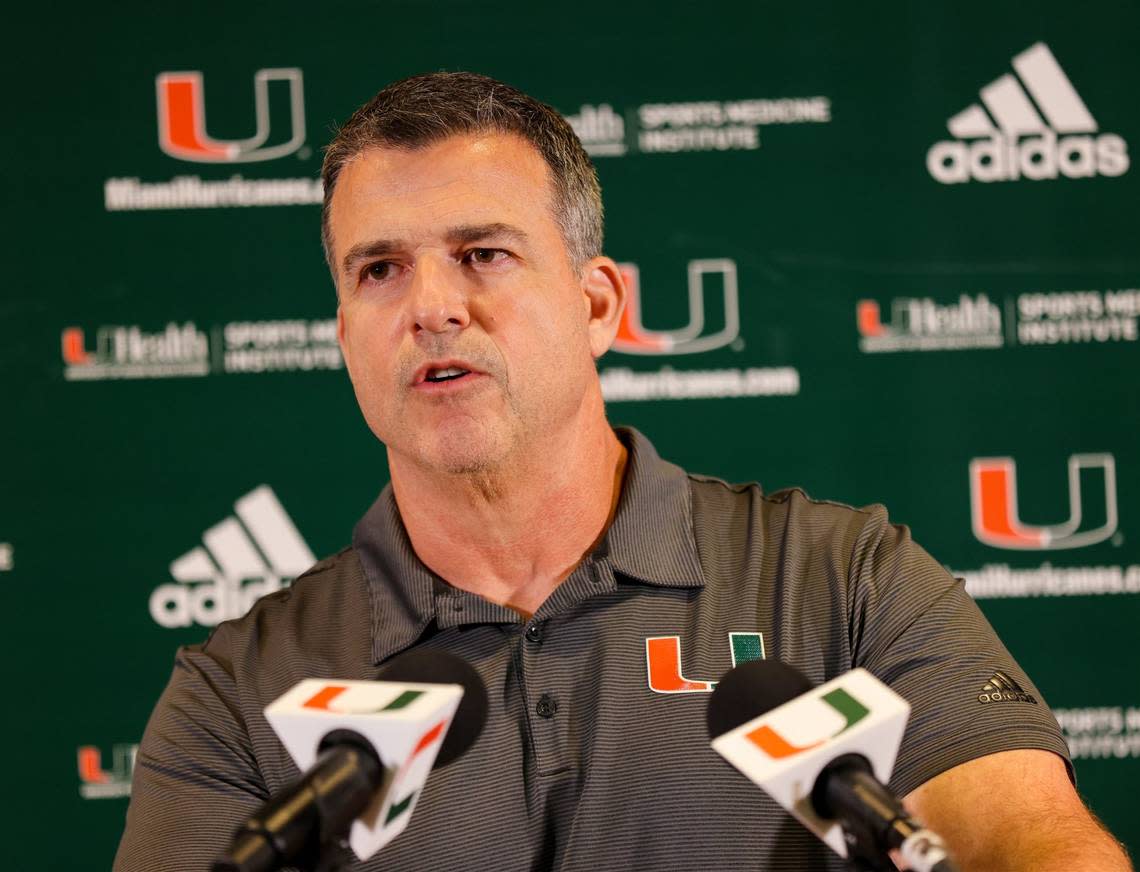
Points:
(778, 747)
(426, 740)
(663, 661)
(324, 697)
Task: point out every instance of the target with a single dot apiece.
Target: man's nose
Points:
(438, 298)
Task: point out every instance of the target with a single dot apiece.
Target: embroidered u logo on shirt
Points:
(663, 662)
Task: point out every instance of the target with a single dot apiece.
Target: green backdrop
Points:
(884, 252)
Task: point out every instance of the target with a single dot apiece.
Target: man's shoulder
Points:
(741, 529)
(792, 505)
(322, 615)
(328, 580)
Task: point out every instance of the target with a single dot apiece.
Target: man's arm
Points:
(196, 776)
(990, 778)
(1015, 810)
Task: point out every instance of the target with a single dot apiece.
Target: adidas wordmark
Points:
(240, 559)
(1034, 125)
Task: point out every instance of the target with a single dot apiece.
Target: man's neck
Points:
(513, 535)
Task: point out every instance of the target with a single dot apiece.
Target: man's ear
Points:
(605, 295)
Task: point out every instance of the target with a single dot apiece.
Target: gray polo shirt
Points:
(595, 753)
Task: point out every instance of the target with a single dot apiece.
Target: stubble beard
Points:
(482, 448)
(476, 449)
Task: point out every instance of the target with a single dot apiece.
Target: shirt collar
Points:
(651, 540)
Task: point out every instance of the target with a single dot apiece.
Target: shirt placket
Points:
(550, 670)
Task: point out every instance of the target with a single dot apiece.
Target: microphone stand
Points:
(863, 855)
(874, 820)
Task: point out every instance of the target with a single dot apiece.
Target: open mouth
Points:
(447, 374)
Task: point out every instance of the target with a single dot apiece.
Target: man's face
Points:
(463, 325)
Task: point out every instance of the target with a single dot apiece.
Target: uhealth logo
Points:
(923, 324)
(127, 351)
(242, 558)
(182, 120)
(96, 782)
(634, 338)
(1015, 135)
(993, 501)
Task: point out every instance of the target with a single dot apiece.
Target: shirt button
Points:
(546, 706)
(534, 631)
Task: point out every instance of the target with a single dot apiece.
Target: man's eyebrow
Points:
(464, 234)
(366, 250)
(468, 233)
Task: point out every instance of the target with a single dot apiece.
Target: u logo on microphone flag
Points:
(783, 750)
(777, 746)
(405, 722)
(326, 696)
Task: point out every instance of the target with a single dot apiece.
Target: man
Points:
(582, 576)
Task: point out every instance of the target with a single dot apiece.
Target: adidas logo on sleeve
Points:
(1032, 125)
(1002, 688)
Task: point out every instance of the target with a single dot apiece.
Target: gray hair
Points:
(423, 110)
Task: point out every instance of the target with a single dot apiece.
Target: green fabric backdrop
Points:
(829, 185)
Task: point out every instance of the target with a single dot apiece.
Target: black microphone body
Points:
(846, 790)
(300, 822)
(305, 823)
(873, 818)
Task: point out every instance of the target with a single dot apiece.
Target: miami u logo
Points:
(182, 119)
(869, 320)
(838, 708)
(663, 661)
(90, 760)
(74, 351)
(993, 503)
(634, 338)
(428, 739)
(324, 698)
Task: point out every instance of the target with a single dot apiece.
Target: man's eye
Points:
(377, 272)
(485, 255)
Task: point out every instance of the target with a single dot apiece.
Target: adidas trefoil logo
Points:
(1019, 135)
(1002, 688)
(244, 557)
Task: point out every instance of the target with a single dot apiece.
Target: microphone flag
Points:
(405, 724)
(784, 750)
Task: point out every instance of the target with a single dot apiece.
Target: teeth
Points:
(449, 372)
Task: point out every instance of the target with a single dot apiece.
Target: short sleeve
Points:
(195, 775)
(914, 627)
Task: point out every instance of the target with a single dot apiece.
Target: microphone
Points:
(366, 749)
(824, 753)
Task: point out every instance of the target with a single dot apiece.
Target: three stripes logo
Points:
(1032, 125)
(182, 119)
(242, 558)
(634, 338)
(1002, 688)
(994, 510)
